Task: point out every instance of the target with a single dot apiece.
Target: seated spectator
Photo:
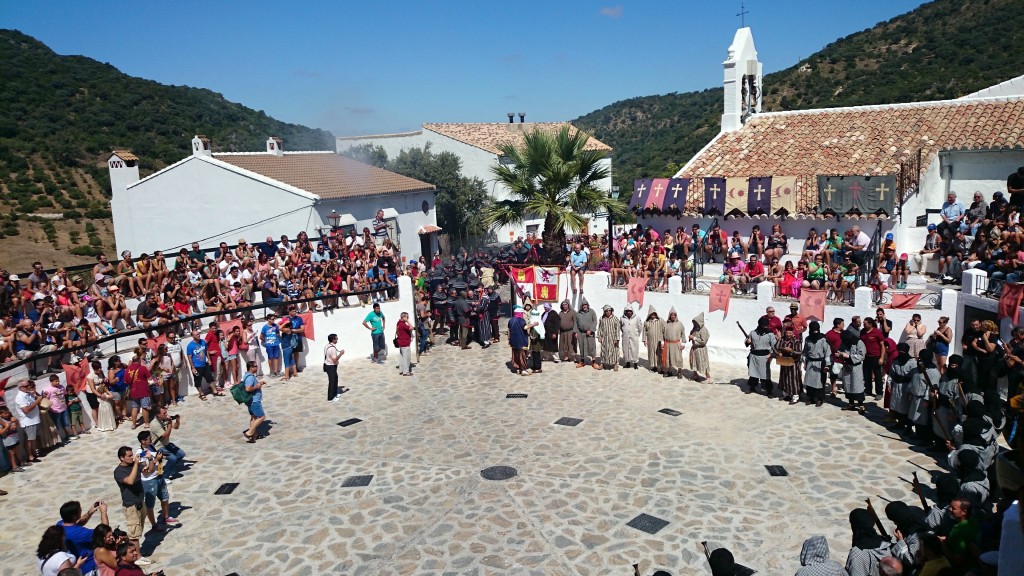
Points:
(817, 273)
(952, 213)
(53, 553)
(777, 244)
(975, 215)
(755, 273)
(815, 560)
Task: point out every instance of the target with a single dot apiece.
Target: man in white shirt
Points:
(26, 409)
(857, 246)
(333, 354)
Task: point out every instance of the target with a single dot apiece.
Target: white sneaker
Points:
(143, 561)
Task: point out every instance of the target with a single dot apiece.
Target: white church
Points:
(477, 146)
(212, 197)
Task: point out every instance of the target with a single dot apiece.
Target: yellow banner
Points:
(736, 197)
(784, 194)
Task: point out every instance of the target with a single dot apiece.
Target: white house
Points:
(477, 145)
(212, 197)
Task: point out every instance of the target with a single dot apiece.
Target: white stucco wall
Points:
(476, 163)
(966, 172)
(410, 216)
(198, 200)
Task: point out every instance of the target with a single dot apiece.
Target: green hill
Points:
(61, 115)
(943, 49)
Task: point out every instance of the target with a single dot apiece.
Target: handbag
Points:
(837, 369)
(395, 342)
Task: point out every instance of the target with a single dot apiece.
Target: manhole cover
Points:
(357, 481)
(776, 470)
(498, 473)
(226, 488)
(349, 422)
(670, 412)
(566, 421)
(647, 523)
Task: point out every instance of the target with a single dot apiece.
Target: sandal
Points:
(202, 397)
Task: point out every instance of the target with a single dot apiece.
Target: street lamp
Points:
(334, 219)
(615, 196)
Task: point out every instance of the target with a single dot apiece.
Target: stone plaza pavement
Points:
(427, 510)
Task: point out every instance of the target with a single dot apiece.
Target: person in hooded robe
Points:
(483, 326)
(901, 373)
(566, 331)
(518, 341)
(551, 322)
(722, 562)
(654, 329)
(989, 436)
(700, 364)
(761, 342)
(975, 436)
(907, 534)
(851, 353)
(672, 345)
(918, 408)
(493, 308)
(632, 328)
(817, 359)
(608, 334)
(815, 560)
(974, 484)
(868, 547)
(451, 317)
(937, 518)
(586, 335)
(787, 353)
(946, 398)
(439, 306)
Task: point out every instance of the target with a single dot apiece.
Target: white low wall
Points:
(726, 343)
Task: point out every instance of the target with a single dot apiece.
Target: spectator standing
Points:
(380, 228)
(27, 404)
(137, 376)
(153, 484)
(126, 475)
(403, 336)
(161, 427)
(297, 334)
(199, 363)
(874, 356)
(255, 403)
(374, 322)
(332, 354)
(77, 537)
(58, 411)
(270, 336)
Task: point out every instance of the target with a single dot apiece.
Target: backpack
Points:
(240, 394)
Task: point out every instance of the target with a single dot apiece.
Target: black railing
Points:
(690, 278)
(164, 328)
(871, 262)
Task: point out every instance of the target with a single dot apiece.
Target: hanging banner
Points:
(834, 194)
(783, 195)
(635, 291)
(720, 296)
(877, 195)
(812, 304)
(659, 189)
(545, 285)
(714, 196)
(641, 190)
(736, 198)
(863, 194)
(759, 195)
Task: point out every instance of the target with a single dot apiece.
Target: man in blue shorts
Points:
(374, 322)
(270, 336)
(197, 358)
(255, 404)
(298, 331)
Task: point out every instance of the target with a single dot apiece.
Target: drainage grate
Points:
(647, 523)
(227, 488)
(776, 470)
(498, 473)
(357, 481)
(566, 421)
(515, 395)
(670, 412)
(349, 422)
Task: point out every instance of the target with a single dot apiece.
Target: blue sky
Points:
(358, 67)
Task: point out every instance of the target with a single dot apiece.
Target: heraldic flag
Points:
(641, 190)
(714, 196)
(759, 195)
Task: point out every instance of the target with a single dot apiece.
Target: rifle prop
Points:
(878, 521)
(745, 335)
(919, 491)
(636, 570)
(707, 551)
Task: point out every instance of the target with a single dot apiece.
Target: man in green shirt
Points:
(963, 539)
(374, 322)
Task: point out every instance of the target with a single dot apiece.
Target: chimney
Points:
(201, 146)
(522, 117)
(742, 82)
(124, 171)
(275, 146)
(510, 117)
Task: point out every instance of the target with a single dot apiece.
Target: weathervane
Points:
(742, 14)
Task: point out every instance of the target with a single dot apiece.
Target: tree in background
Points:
(460, 200)
(553, 175)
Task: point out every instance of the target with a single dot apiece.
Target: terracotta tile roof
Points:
(326, 175)
(489, 136)
(428, 229)
(126, 155)
(854, 140)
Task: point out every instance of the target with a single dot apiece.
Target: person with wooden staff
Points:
(943, 397)
(761, 343)
(918, 409)
(869, 547)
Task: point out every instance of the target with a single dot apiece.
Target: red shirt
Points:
(873, 341)
(404, 334)
(774, 324)
(755, 268)
(834, 339)
(212, 345)
(136, 376)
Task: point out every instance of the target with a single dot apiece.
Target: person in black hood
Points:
(817, 359)
(974, 484)
(867, 547)
(937, 518)
(907, 533)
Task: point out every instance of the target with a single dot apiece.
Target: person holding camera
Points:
(77, 537)
(126, 475)
(153, 484)
(161, 428)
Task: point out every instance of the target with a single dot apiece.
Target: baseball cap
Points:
(888, 236)
(932, 226)
(13, 277)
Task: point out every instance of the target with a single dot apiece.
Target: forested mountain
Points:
(942, 49)
(61, 115)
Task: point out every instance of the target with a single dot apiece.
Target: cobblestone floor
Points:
(427, 510)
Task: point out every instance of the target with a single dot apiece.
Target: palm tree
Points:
(553, 175)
